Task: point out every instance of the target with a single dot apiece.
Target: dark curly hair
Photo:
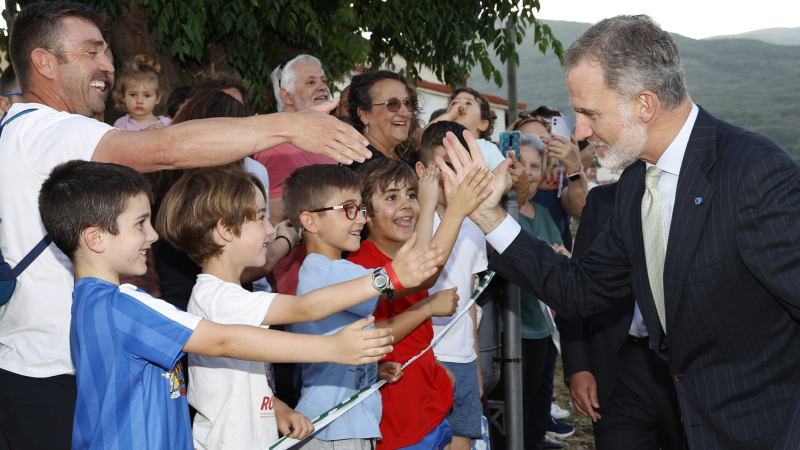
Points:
(361, 97)
(486, 109)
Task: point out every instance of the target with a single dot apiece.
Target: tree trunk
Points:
(127, 37)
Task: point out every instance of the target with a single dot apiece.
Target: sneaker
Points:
(559, 429)
(557, 412)
(548, 443)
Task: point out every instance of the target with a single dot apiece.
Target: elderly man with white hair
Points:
(299, 83)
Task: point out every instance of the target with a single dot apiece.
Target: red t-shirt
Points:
(280, 162)
(418, 403)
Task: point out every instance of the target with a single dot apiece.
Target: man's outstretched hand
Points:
(314, 131)
(489, 214)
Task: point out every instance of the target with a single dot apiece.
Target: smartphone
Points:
(561, 126)
(509, 143)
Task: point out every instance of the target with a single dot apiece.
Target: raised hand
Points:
(285, 228)
(444, 303)
(471, 192)
(355, 345)
(428, 189)
(567, 152)
(314, 131)
(291, 421)
(489, 214)
(390, 371)
(520, 180)
(415, 265)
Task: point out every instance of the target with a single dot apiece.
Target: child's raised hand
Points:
(390, 371)
(291, 421)
(286, 229)
(415, 265)
(355, 346)
(471, 192)
(444, 303)
(428, 189)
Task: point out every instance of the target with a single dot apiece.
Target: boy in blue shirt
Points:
(325, 201)
(125, 345)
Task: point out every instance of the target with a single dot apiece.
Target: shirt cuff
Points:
(503, 235)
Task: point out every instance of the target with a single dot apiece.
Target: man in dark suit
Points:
(609, 362)
(703, 233)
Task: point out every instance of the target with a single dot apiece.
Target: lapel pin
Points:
(698, 201)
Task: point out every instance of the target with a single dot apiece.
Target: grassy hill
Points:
(748, 83)
(779, 36)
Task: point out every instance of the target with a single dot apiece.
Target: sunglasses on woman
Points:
(537, 118)
(350, 209)
(393, 105)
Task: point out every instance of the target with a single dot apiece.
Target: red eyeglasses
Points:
(350, 209)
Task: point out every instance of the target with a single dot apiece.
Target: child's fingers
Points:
(484, 194)
(481, 180)
(454, 150)
(361, 323)
(408, 245)
(446, 170)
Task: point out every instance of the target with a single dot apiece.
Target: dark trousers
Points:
(538, 366)
(36, 413)
(643, 411)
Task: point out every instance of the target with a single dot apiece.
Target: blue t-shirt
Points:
(125, 346)
(323, 385)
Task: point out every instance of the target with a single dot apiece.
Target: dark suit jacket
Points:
(591, 344)
(732, 284)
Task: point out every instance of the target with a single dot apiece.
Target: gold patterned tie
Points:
(655, 241)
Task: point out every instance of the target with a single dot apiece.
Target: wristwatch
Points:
(576, 176)
(380, 281)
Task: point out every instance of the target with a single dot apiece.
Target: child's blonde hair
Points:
(140, 69)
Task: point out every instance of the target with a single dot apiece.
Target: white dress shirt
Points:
(670, 162)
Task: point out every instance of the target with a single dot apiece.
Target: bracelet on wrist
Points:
(430, 304)
(575, 176)
(288, 242)
(393, 278)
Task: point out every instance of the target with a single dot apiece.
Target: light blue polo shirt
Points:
(324, 385)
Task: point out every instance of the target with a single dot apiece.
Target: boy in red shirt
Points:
(414, 408)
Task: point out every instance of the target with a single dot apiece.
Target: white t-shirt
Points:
(34, 324)
(258, 169)
(233, 399)
(491, 154)
(467, 258)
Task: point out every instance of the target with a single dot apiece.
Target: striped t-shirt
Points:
(126, 347)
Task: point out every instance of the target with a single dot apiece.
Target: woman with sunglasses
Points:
(383, 106)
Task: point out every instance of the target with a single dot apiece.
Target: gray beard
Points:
(627, 148)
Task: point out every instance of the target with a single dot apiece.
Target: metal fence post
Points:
(512, 350)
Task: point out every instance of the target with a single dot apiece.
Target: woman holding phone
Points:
(564, 150)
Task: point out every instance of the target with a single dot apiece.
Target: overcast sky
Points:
(692, 18)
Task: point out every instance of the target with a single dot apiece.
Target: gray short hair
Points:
(284, 77)
(634, 53)
(533, 141)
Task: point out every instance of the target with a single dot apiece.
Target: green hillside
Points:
(749, 83)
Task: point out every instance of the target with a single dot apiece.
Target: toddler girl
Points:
(138, 91)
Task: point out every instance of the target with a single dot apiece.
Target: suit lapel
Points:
(688, 216)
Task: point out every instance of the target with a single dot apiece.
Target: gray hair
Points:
(634, 54)
(284, 77)
(533, 141)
